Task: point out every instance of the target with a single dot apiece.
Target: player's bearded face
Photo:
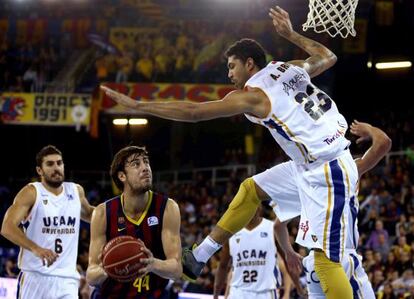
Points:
(238, 72)
(138, 174)
(52, 170)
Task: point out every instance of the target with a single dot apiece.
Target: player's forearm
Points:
(95, 275)
(313, 48)
(16, 236)
(178, 111)
(282, 236)
(169, 269)
(381, 145)
(219, 280)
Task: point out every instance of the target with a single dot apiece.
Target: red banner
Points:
(165, 92)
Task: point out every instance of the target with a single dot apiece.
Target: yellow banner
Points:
(164, 92)
(45, 109)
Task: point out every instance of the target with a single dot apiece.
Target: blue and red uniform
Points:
(148, 228)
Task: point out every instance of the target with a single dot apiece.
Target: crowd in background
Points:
(386, 224)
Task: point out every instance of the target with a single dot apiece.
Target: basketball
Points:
(120, 258)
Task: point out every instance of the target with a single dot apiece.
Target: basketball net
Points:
(332, 16)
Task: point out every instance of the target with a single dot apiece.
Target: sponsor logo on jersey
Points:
(293, 83)
(59, 221)
(314, 238)
(45, 201)
(153, 220)
(238, 240)
(121, 220)
(120, 229)
(70, 197)
(339, 133)
(263, 234)
(304, 227)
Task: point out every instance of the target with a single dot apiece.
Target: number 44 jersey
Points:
(53, 223)
(303, 120)
(254, 259)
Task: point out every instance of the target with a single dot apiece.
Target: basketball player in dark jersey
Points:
(141, 213)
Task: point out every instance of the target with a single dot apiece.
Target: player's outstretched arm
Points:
(234, 103)
(17, 212)
(321, 58)
(95, 274)
(381, 145)
(222, 270)
(171, 267)
(86, 208)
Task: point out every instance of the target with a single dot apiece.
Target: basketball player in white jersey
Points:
(352, 262)
(306, 123)
(44, 221)
(253, 256)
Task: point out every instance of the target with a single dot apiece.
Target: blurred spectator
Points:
(373, 241)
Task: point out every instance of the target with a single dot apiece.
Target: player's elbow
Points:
(386, 144)
(6, 230)
(331, 59)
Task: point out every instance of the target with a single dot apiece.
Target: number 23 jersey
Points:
(254, 260)
(303, 120)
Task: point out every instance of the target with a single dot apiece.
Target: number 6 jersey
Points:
(53, 223)
(303, 120)
(254, 258)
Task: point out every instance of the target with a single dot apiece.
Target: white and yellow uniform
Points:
(254, 259)
(306, 123)
(53, 223)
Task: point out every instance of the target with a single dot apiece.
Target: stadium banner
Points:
(45, 109)
(152, 92)
(37, 30)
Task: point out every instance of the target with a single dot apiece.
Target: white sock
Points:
(206, 250)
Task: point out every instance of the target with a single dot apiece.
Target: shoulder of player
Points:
(27, 195)
(100, 210)
(172, 206)
(80, 189)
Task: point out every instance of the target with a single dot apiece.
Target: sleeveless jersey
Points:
(254, 258)
(53, 223)
(303, 120)
(148, 228)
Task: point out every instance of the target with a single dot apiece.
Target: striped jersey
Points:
(254, 258)
(303, 120)
(53, 223)
(148, 228)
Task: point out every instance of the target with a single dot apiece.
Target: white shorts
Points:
(238, 293)
(32, 285)
(352, 264)
(324, 191)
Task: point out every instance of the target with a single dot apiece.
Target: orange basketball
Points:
(120, 258)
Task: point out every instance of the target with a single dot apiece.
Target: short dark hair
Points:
(46, 151)
(247, 48)
(120, 158)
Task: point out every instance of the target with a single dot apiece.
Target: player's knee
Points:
(246, 194)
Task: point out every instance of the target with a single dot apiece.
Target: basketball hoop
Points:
(332, 16)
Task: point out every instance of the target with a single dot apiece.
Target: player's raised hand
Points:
(362, 130)
(47, 256)
(119, 97)
(281, 21)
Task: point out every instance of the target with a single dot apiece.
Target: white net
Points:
(332, 16)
